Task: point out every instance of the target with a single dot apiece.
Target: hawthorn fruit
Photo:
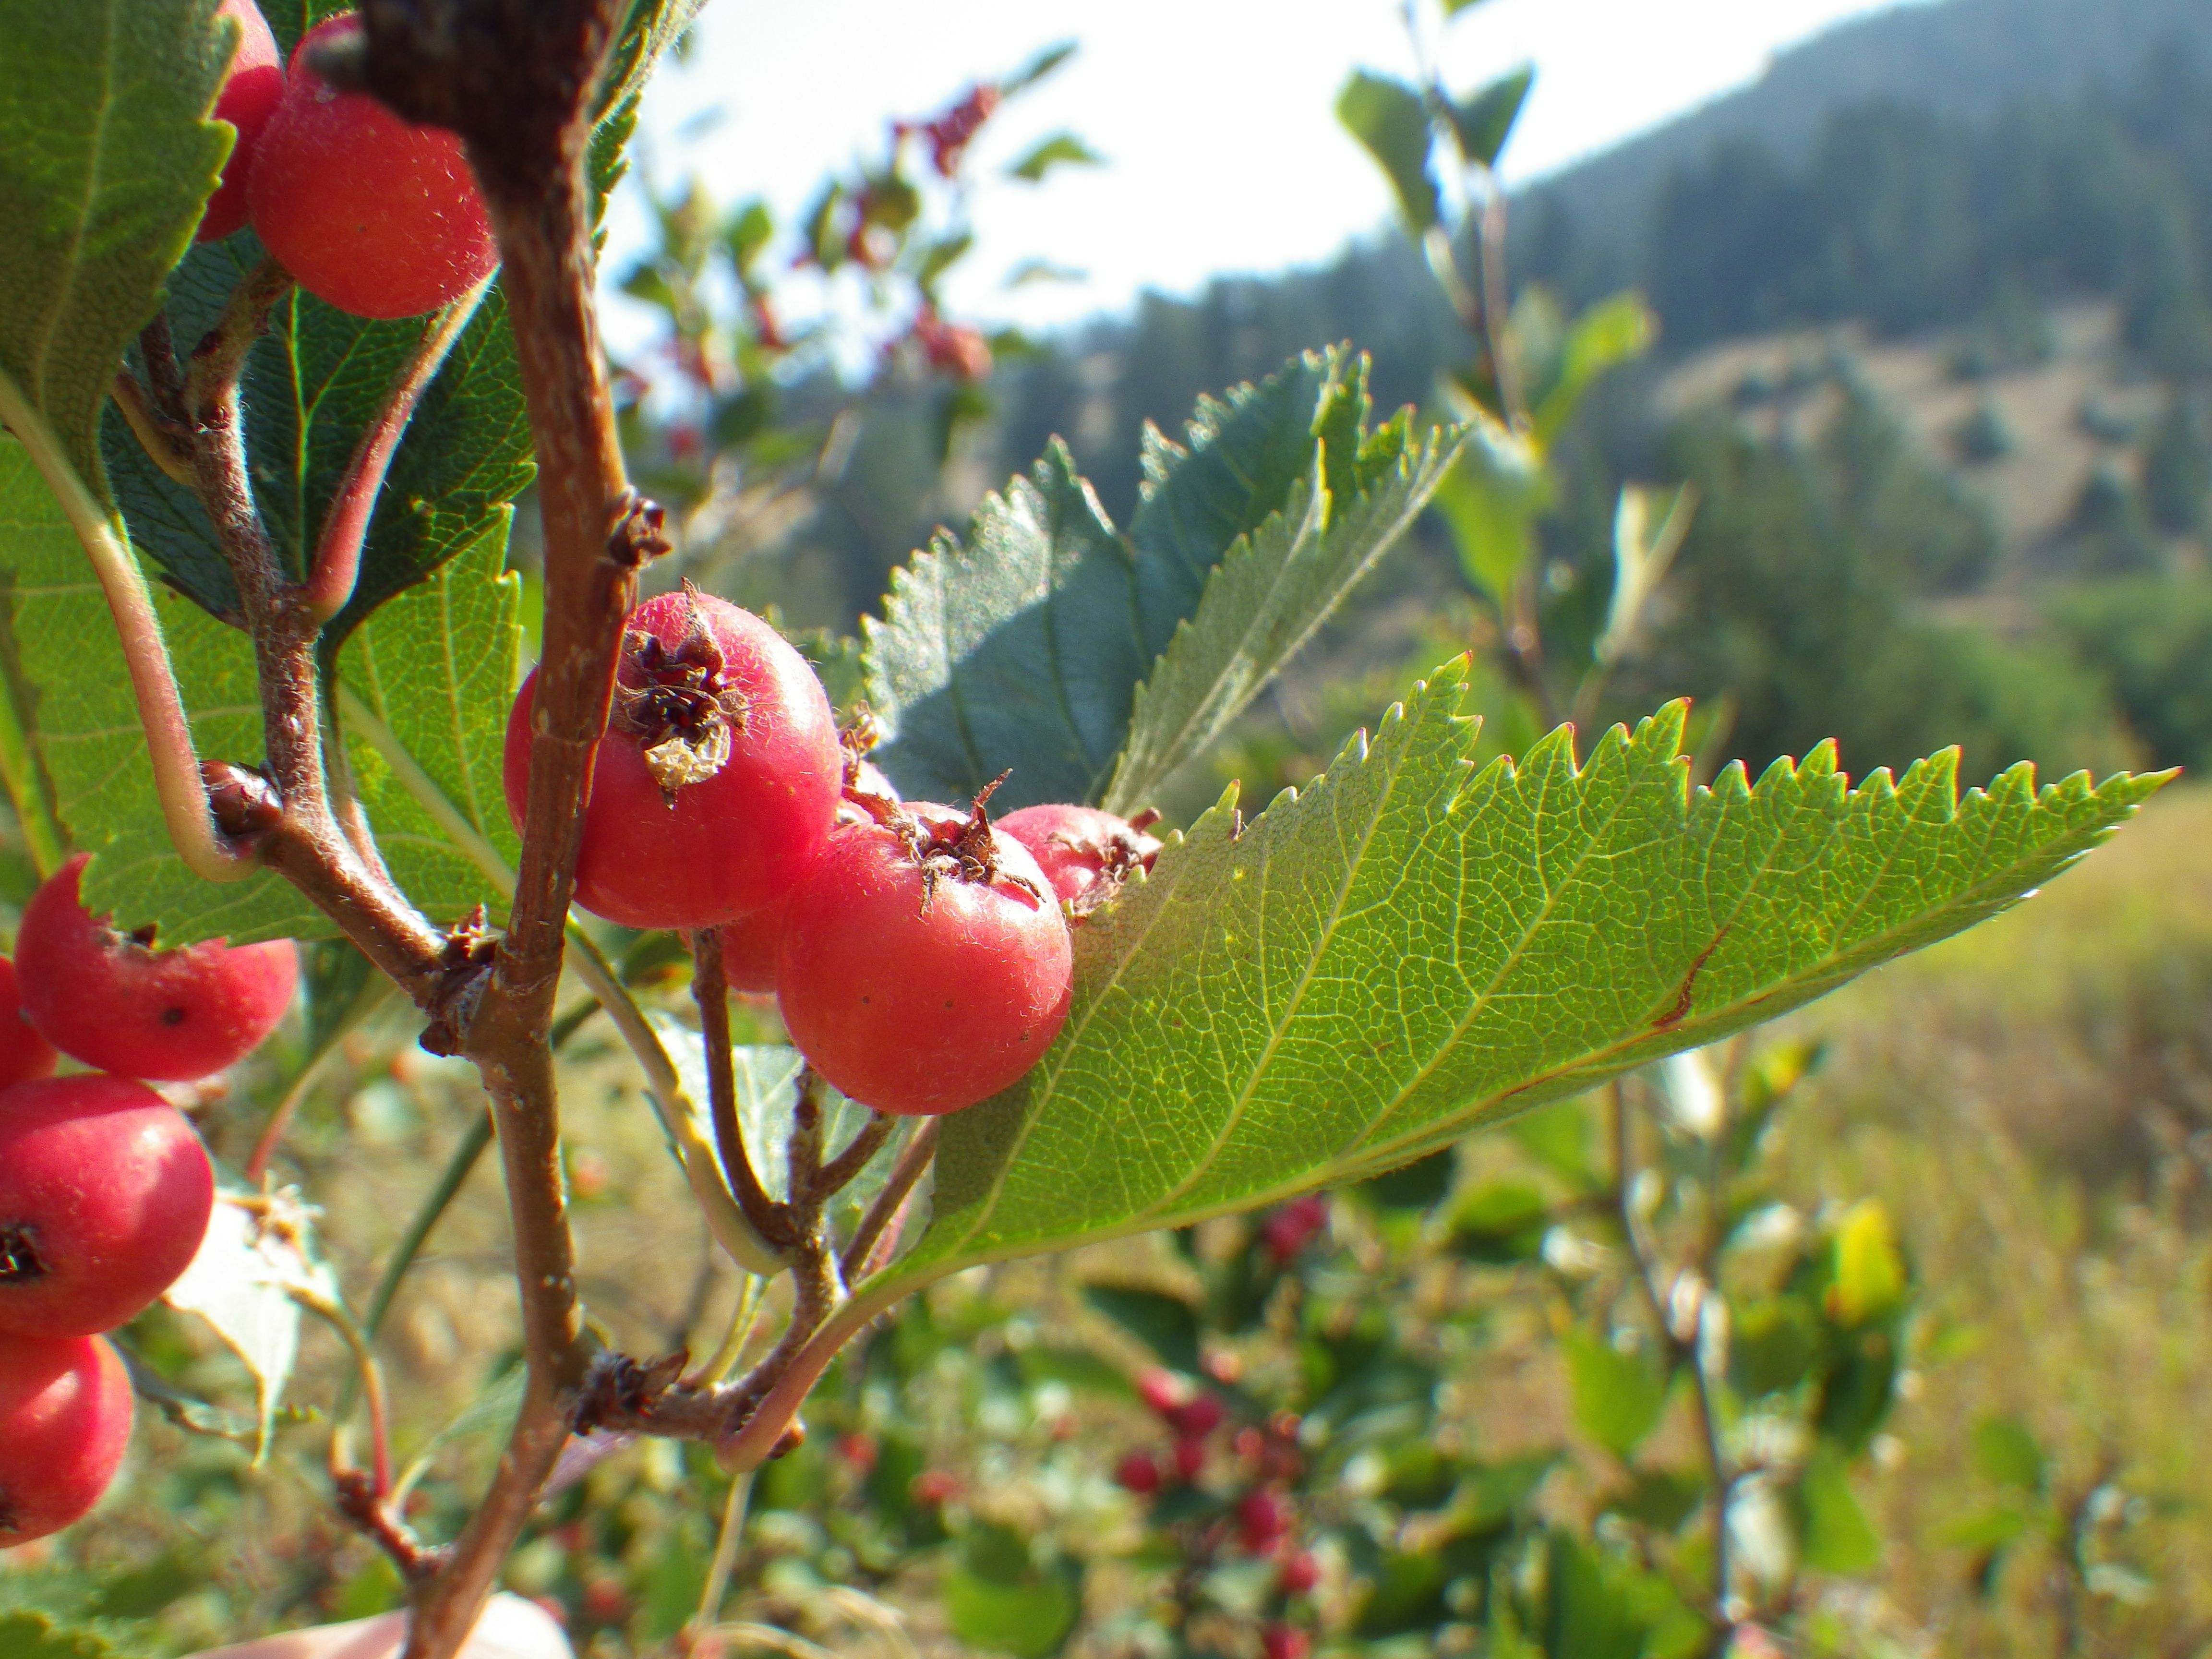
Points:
(64, 1422)
(112, 1000)
(924, 965)
(24, 1053)
(249, 97)
(378, 217)
(717, 779)
(1085, 853)
(105, 1195)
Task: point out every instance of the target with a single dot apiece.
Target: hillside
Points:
(1958, 59)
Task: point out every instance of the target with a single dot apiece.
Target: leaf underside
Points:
(1412, 949)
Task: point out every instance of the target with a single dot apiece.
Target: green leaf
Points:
(1270, 594)
(1834, 1535)
(426, 685)
(69, 666)
(1166, 1324)
(1030, 1619)
(313, 383)
(1620, 1395)
(34, 1636)
(1062, 149)
(1610, 333)
(2005, 1452)
(1046, 61)
(1502, 1223)
(110, 157)
(1412, 949)
(1868, 1278)
(1484, 120)
(1023, 646)
(1390, 118)
(1591, 1610)
(1490, 501)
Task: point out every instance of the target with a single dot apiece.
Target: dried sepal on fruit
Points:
(1086, 853)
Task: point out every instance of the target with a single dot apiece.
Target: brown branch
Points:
(773, 1221)
(840, 1172)
(365, 1509)
(515, 78)
(912, 1159)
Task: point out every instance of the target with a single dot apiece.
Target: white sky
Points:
(1215, 117)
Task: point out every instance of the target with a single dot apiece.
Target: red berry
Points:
(249, 97)
(1290, 1229)
(1197, 1417)
(1085, 854)
(105, 1193)
(1300, 1573)
(1263, 1520)
(751, 944)
(925, 967)
(24, 1053)
(935, 1486)
(64, 1421)
(379, 218)
(1138, 1474)
(1285, 1642)
(112, 1000)
(718, 776)
(605, 1601)
(1190, 1458)
(1162, 1390)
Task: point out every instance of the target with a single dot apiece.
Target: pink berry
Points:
(249, 97)
(105, 1195)
(112, 1000)
(718, 775)
(924, 965)
(379, 218)
(1085, 854)
(64, 1423)
(24, 1053)
(1138, 1474)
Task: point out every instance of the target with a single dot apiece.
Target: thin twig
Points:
(725, 1552)
(841, 1170)
(914, 1157)
(802, 1152)
(345, 524)
(164, 444)
(710, 989)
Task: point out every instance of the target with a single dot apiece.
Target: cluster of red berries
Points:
(105, 1187)
(378, 217)
(1262, 1522)
(920, 955)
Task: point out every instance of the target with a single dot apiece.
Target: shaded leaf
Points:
(1490, 501)
(1166, 1324)
(1411, 948)
(1610, 333)
(1390, 120)
(1272, 592)
(1484, 119)
(1025, 645)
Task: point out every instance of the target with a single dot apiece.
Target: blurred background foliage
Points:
(1873, 403)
